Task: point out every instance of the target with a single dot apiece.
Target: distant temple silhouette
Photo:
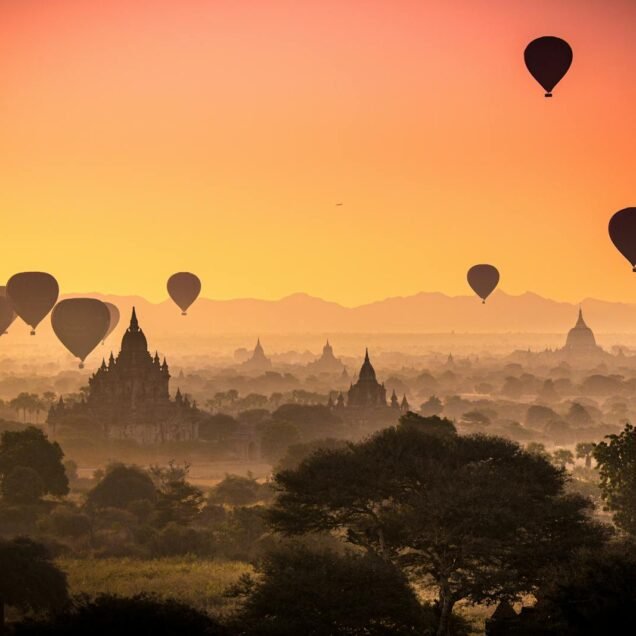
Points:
(258, 361)
(367, 393)
(327, 363)
(129, 397)
(580, 340)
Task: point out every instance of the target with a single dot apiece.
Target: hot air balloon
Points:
(114, 319)
(7, 314)
(33, 295)
(80, 324)
(622, 231)
(184, 288)
(483, 279)
(548, 60)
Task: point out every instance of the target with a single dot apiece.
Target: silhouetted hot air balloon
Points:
(184, 288)
(483, 279)
(7, 314)
(622, 231)
(33, 295)
(114, 319)
(80, 324)
(548, 60)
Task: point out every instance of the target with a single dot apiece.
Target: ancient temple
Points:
(129, 398)
(580, 339)
(367, 392)
(258, 361)
(327, 363)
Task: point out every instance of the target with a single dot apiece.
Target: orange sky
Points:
(143, 137)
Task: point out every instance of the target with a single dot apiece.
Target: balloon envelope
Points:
(622, 231)
(33, 295)
(7, 314)
(114, 319)
(184, 288)
(80, 324)
(483, 279)
(548, 60)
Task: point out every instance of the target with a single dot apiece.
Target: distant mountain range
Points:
(421, 313)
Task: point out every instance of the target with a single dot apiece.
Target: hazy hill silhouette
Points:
(422, 313)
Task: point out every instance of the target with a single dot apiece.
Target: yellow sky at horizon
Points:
(218, 137)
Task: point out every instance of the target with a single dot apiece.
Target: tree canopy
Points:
(616, 459)
(29, 580)
(30, 448)
(321, 593)
(476, 515)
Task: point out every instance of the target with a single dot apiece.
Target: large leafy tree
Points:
(30, 448)
(120, 486)
(29, 580)
(321, 593)
(476, 516)
(616, 459)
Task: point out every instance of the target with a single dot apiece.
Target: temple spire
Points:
(134, 324)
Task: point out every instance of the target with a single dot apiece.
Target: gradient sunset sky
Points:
(143, 137)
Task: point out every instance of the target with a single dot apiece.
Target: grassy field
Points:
(192, 581)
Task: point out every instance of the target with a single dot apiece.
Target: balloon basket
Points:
(81, 365)
(184, 313)
(633, 270)
(483, 302)
(548, 94)
(33, 332)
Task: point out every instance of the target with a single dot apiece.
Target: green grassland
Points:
(197, 582)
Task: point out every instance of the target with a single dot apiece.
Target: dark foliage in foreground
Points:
(476, 515)
(322, 593)
(108, 615)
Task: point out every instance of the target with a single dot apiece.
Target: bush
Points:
(65, 522)
(22, 486)
(177, 540)
(120, 486)
(239, 491)
(319, 592)
(108, 615)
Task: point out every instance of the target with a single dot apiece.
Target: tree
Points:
(296, 453)
(432, 425)
(616, 461)
(579, 415)
(237, 491)
(276, 438)
(218, 427)
(29, 580)
(177, 500)
(22, 486)
(313, 421)
(595, 594)
(584, 451)
(107, 615)
(475, 514)
(539, 416)
(120, 486)
(321, 593)
(562, 457)
(31, 448)
(475, 419)
(536, 448)
(432, 406)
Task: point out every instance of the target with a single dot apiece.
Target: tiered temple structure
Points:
(259, 361)
(580, 340)
(367, 392)
(129, 398)
(327, 363)
(367, 395)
